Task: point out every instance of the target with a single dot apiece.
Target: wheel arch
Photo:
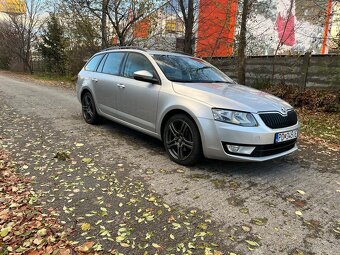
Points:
(173, 112)
(84, 91)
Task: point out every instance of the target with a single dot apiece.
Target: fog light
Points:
(233, 148)
(247, 150)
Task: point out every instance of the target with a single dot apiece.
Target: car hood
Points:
(231, 96)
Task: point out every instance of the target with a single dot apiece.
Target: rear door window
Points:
(137, 62)
(93, 63)
(113, 63)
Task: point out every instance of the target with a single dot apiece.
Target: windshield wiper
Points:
(184, 81)
(228, 82)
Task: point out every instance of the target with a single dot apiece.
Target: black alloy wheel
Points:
(182, 140)
(89, 109)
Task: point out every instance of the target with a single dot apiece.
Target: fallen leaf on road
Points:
(259, 221)
(298, 213)
(252, 243)
(246, 228)
(157, 246)
(85, 247)
(301, 192)
(85, 226)
(87, 160)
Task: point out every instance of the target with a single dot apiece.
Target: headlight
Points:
(245, 119)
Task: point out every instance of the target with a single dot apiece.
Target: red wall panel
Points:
(216, 28)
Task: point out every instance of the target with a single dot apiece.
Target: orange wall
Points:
(142, 28)
(216, 28)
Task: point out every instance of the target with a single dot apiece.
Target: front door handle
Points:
(121, 86)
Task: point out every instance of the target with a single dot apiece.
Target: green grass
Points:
(321, 125)
(52, 77)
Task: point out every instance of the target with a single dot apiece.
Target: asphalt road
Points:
(135, 199)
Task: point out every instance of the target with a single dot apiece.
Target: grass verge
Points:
(320, 127)
(50, 77)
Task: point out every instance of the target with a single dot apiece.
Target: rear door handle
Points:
(121, 86)
(94, 79)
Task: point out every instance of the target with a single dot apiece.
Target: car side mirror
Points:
(146, 76)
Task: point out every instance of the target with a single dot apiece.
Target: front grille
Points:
(272, 149)
(265, 150)
(276, 120)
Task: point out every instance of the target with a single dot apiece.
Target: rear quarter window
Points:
(93, 63)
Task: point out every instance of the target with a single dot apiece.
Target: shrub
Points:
(323, 100)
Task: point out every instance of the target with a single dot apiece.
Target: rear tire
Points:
(89, 111)
(182, 140)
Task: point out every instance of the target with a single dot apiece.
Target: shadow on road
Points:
(278, 167)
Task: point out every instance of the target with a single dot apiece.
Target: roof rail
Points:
(124, 47)
(182, 52)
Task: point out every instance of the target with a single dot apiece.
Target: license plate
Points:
(286, 136)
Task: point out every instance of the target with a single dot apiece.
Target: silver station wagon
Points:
(195, 109)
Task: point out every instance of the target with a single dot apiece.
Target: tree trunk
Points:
(104, 25)
(241, 72)
(189, 26)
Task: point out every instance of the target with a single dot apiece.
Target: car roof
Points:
(151, 52)
(160, 52)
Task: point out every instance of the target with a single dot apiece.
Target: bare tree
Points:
(188, 14)
(103, 23)
(242, 44)
(121, 15)
(21, 32)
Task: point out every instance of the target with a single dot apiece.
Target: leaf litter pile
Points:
(24, 226)
(100, 208)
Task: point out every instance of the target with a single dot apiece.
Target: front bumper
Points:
(216, 135)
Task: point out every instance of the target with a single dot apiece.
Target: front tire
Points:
(182, 140)
(89, 111)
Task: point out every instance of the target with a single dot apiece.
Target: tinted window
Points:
(137, 62)
(93, 63)
(112, 63)
(189, 69)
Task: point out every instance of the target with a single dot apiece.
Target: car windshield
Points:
(189, 69)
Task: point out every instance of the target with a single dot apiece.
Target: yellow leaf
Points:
(42, 232)
(87, 160)
(301, 192)
(85, 226)
(298, 213)
(4, 232)
(252, 243)
(156, 245)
